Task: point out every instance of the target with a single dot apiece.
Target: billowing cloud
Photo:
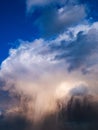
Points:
(49, 83)
(80, 49)
(35, 64)
(40, 67)
(51, 77)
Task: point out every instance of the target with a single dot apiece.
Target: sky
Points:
(16, 23)
(48, 60)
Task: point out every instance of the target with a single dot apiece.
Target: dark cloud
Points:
(79, 113)
(17, 122)
(2, 83)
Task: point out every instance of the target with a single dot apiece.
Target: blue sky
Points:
(16, 23)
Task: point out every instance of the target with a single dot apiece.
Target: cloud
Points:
(45, 94)
(36, 75)
(35, 64)
(33, 3)
(79, 112)
(28, 74)
(80, 49)
(56, 16)
(52, 82)
(81, 89)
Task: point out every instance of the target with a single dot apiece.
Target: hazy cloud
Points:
(56, 16)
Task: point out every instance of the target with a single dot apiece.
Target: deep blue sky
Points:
(15, 24)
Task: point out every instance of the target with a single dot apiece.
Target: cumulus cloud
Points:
(35, 64)
(28, 75)
(52, 82)
(36, 75)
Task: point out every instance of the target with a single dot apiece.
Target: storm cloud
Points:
(36, 74)
(53, 82)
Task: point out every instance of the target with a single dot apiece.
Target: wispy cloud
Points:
(56, 16)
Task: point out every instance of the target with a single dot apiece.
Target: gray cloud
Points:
(79, 90)
(82, 49)
(55, 16)
(80, 53)
(60, 20)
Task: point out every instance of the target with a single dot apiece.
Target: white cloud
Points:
(39, 69)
